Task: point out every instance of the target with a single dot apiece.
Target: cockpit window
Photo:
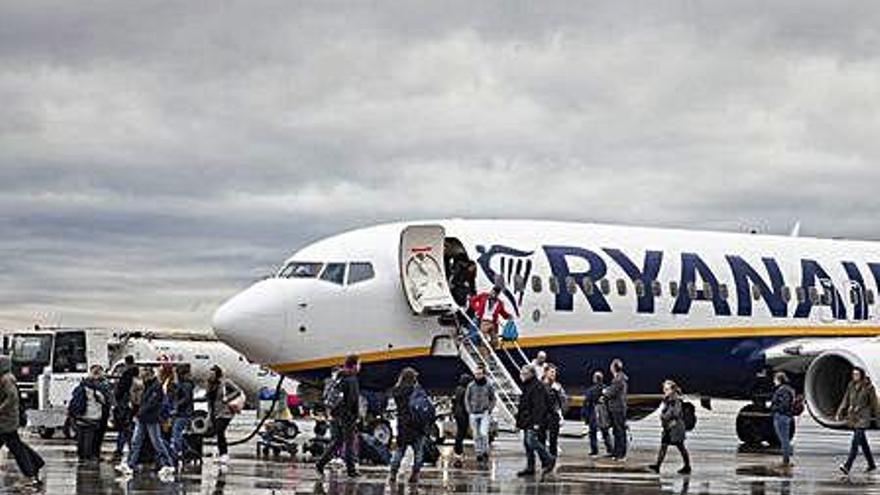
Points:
(299, 269)
(334, 272)
(358, 272)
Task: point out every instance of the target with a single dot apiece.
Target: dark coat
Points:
(591, 399)
(616, 393)
(407, 431)
(123, 386)
(151, 402)
(782, 401)
(183, 398)
(8, 404)
(533, 405)
(351, 392)
(459, 410)
(859, 406)
(672, 420)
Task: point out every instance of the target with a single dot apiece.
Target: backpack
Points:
(797, 405)
(689, 415)
(421, 408)
(510, 333)
(77, 405)
(333, 396)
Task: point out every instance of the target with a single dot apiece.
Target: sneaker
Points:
(870, 469)
(843, 469)
(654, 468)
(392, 477)
(526, 472)
(414, 478)
(124, 469)
(685, 470)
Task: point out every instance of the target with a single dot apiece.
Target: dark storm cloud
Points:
(157, 156)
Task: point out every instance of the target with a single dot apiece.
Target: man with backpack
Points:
(11, 416)
(87, 407)
(148, 418)
(342, 403)
(479, 402)
(415, 415)
(782, 406)
(531, 418)
(182, 402)
(595, 415)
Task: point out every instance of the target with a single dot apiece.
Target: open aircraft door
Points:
(422, 269)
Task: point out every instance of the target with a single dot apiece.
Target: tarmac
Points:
(719, 467)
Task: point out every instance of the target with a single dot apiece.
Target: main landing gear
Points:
(754, 426)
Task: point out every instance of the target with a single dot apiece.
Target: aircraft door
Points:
(828, 302)
(422, 269)
(858, 304)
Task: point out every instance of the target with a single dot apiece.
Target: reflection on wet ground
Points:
(719, 467)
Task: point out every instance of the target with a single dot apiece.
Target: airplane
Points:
(717, 312)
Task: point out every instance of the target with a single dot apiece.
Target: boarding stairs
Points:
(478, 351)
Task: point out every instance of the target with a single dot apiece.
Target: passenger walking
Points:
(106, 389)
(615, 398)
(462, 418)
(147, 425)
(29, 462)
(480, 402)
(531, 416)
(342, 401)
(182, 411)
(86, 407)
(488, 309)
(782, 407)
(597, 421)
(674, 428)
(411, 430)
(222, 396)
(859, 408)
(122, 410)
(540, 365)
(557, 405)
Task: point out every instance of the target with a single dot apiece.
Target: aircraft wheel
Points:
(45, 433)
(754, 425)
(381, 431)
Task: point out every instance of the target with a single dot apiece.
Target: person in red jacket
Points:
(488, 310)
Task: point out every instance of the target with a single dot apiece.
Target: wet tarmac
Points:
(719, 467)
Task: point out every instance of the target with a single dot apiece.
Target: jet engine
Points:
(829, 373)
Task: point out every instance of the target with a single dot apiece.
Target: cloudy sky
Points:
(155, 157)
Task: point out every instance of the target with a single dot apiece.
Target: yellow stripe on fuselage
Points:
(581, 338)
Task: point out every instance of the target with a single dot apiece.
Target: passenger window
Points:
(554, 285)
(334, 272)
(657, 288)
(786, 293)
(519, 283)
(537, 286)
(723, 292)
(70, 353)
(801, 294)
(707, 292)
(692, 290)
(673, 289)
(358, 272)
(588, 286)
(814, 295)
(605, 286)
(621, 287)
(756, 292)
(869, 297)
(571, 285)
(640, 288)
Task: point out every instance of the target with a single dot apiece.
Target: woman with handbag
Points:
(225, 400)
(672, 420)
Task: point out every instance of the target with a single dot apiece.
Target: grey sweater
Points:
(479, 398)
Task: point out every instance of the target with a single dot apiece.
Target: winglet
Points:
(796, 230)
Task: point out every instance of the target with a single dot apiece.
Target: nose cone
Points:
(253, 321)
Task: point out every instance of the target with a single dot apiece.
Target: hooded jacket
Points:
(532, 410)
(407, 430)
(151, 402)
(672, 419)
(480, 397)
(859, 406)
(8, 397)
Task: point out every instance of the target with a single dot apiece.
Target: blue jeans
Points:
(418, 447)
(859, 440)
(178, 444)
(480, 427)
(137, 443)
(782, 425)
(594, 437)
(534, 445)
